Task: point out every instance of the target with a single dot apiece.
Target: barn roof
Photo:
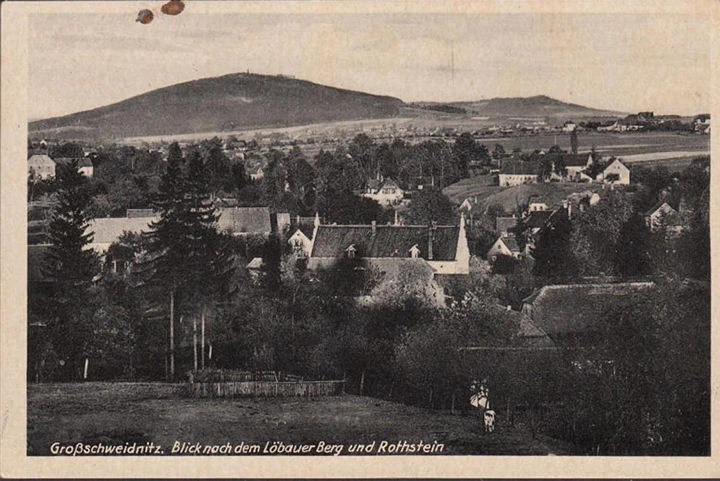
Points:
(250, 220)
(576, 308)
(387, 241)
(109, 229)
(519, 167)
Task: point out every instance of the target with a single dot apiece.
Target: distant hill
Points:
(230, 102)
(247, 101)
(538, 106)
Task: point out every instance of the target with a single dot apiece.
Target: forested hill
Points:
(226, 103)
(537, 106)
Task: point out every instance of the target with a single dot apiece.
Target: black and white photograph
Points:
(371, 231)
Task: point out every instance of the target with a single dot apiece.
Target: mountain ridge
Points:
(249, 101)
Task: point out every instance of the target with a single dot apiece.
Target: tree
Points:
(552, 251)
(574, 142)
(633, 248)
(70, 266)
(596, 233)
(464, 151)
(498, 152)
(430, 205)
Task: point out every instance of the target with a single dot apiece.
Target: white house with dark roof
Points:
(518, 172)
(444, 248)
(386, 192)
(505, 245)
(615, 173)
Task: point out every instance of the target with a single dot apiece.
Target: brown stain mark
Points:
(145, 17)
(173, 7)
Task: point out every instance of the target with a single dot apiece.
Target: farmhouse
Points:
(386, 193)
(570, 314)
(518, 172)
(506, 245)
(443, 248)
(615, 173)
(663, 215)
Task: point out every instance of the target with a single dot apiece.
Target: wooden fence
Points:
(267, 389)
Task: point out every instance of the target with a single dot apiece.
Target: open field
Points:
(115, 413)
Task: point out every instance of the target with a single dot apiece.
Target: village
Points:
(350, 268)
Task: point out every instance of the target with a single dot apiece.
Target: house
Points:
(518, 172)
(41, 166)
(85, 167)
(535, 204)
(570, 314)
(240, 221)
(576, 164)
(663, 215)
(386, 193)
(505, 245)
(300, 243)
(44, 167)
(615, 173)
(443, 248)
(107, 230)
(569, 126)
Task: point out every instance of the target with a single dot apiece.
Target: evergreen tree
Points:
(70, 267)
(188, 255)
(167, 252)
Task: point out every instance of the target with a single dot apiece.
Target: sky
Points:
(621, 62)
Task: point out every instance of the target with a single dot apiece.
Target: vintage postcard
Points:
(358, 238)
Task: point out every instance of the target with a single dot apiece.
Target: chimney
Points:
(374, 227)
(397, 220)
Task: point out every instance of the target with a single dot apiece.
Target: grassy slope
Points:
(151, 412)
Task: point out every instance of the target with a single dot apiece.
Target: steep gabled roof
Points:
(511, 243)
(240, 220)
(659, 204)
(387, 241)
(109, 229)
(577, 308)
